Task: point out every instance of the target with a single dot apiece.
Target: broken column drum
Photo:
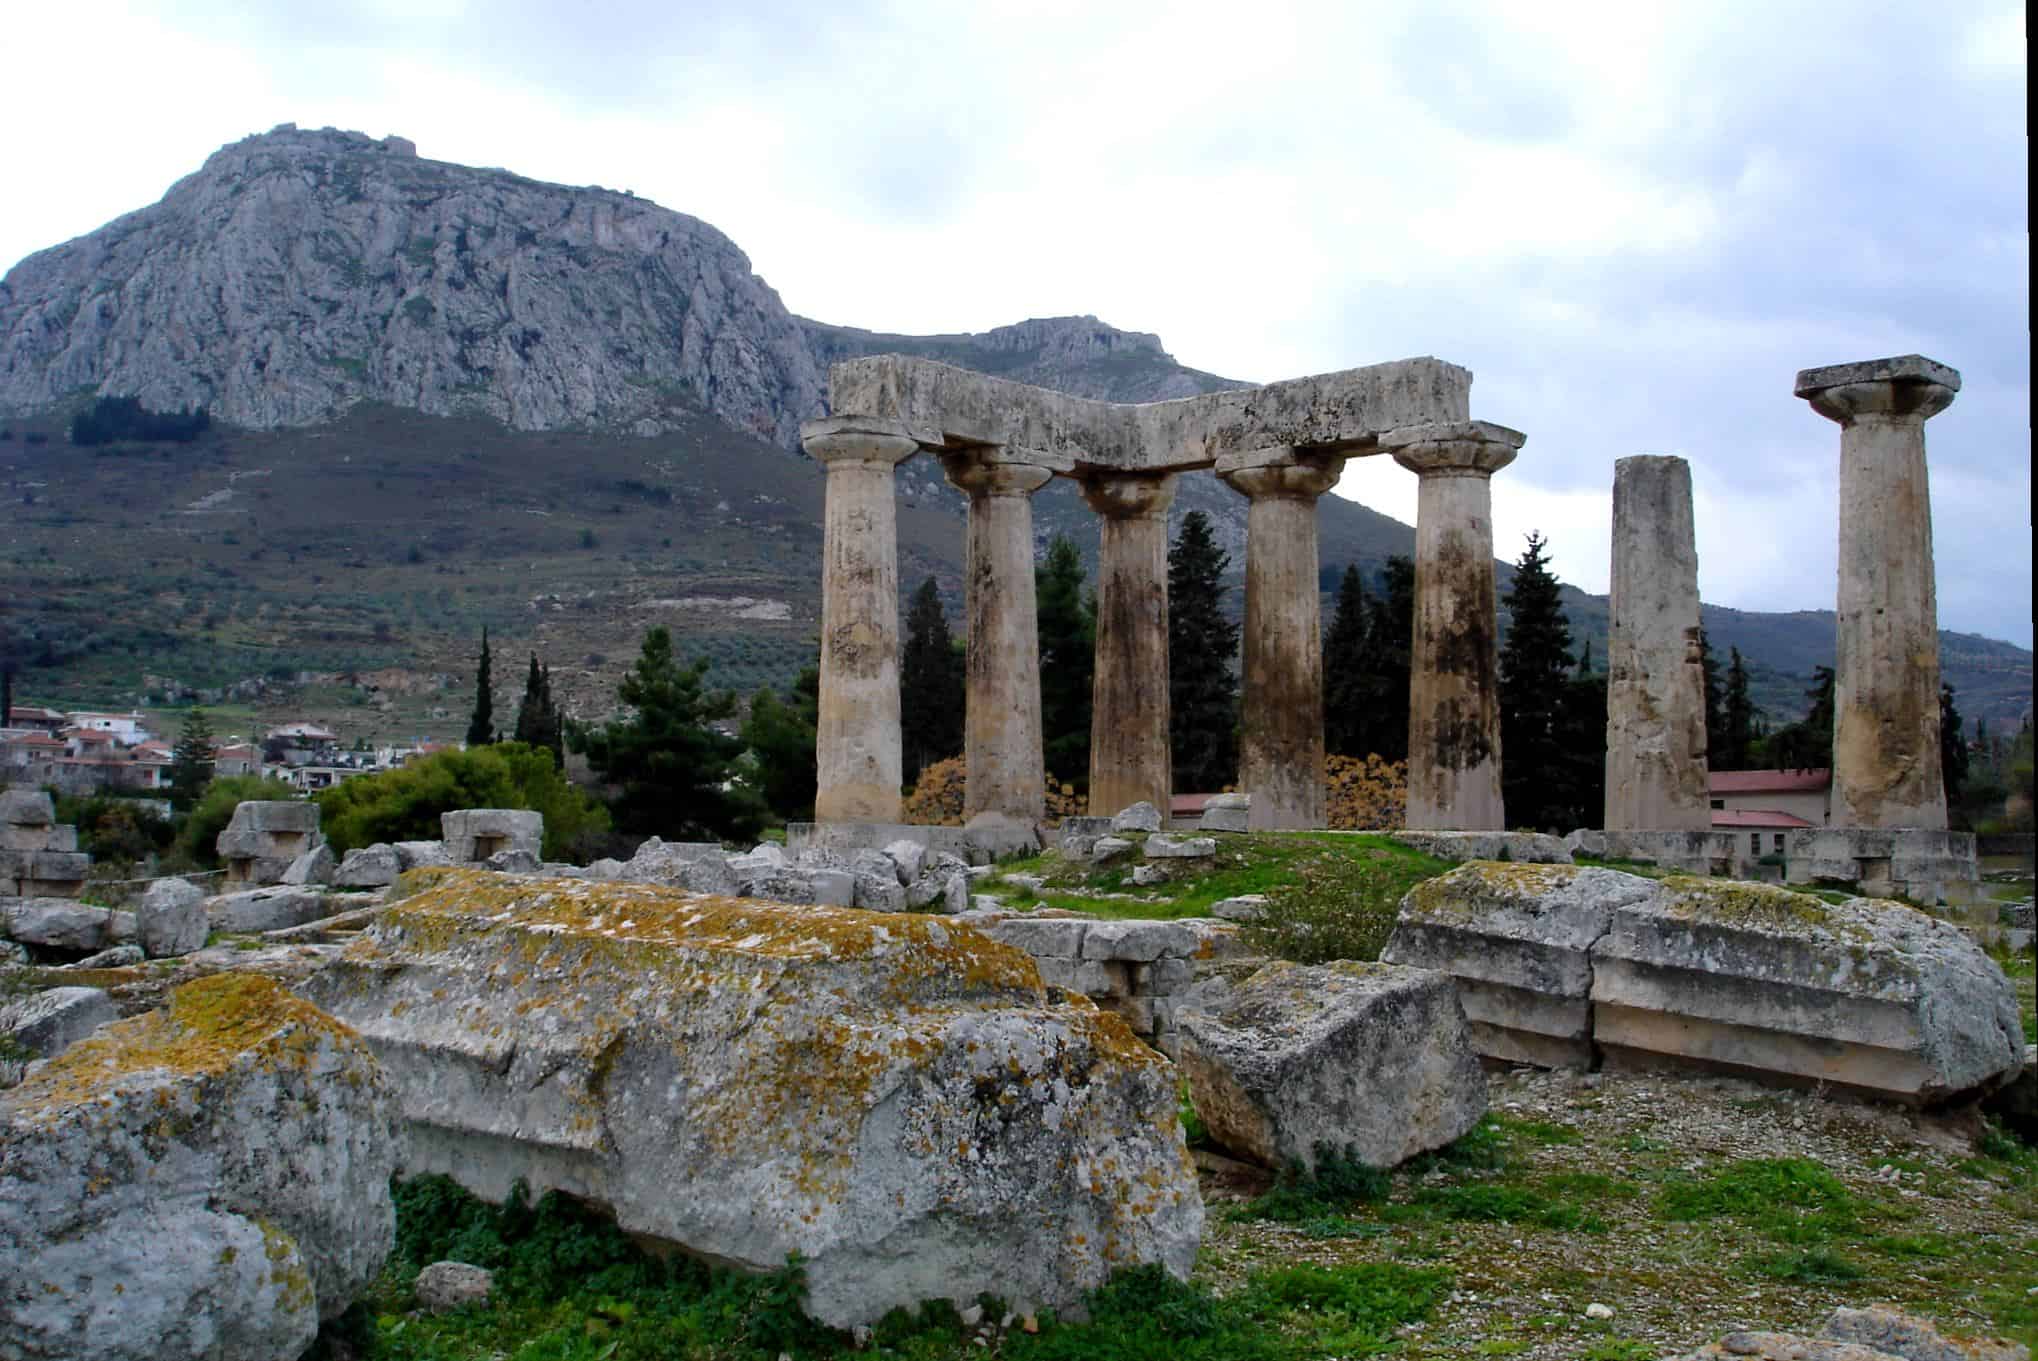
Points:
(1886, 764)
(1281, 757)
(1454, 673)
(857, 732)
(1006, 779)
(1656, 777)
(1130, 758)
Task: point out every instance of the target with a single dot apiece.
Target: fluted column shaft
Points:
(1006, 779)
(857, 734)
(1454, 672)
(1656, 777)
(1886, 763)
(1130, 757)
(1281, 756)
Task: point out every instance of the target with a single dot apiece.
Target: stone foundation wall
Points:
(39, 857)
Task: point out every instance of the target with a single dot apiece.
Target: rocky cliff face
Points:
(298, 273)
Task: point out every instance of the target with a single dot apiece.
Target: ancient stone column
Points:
(1005, 780)
(1454, 674)
(1886, 769)
(857, 737)
(1281, 758)
(1655, 692)
(1130, 758)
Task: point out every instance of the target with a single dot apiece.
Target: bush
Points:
(1365, 792)
(201, 829)
(405, 804)
(1339, 906)
(937, 798)
(115, 828)
(119, 418)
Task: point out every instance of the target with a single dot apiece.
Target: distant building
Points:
(237, 758)
(1769, 803)
(127, 729)
(300, 744)
(28, 716)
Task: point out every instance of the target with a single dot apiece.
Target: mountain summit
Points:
(299, 273)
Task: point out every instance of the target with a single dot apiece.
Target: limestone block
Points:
(1869, 995)
(22, 839)
(61, 924)
(278, 815)
(26, 808)
(877, 892)
(1913, 1338)
(1140, 817)
(908, 856)
(207, 1179)
(1246, 907)
(710, 874)
(665, 862)
(1370, 1060)
(1109, 848)
(1144, 876)
(1686, 851)
(1227, 813)
(1162, 846)
(47, 1023)
(315, 866)
(1164, 976)
(369, 867)
(1042, 937)
(746, 1080)
(266, 909)
(472, 835)
(445, 1286)
(1137, 942)
(113, 957)
(515, 860)
(1215, 940)
(1521, 848)
(171, 919)
(60, 838)
(1078, 847)
(1091, 977)
(1518, 939)
(412, 855)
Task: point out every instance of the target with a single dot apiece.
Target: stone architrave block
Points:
(1140, 817)
(267, 909)
(171, 919)
(61, 924)
(369, 867)
(49, 1022)
(265, 838)
(1518, 939)
(207, 1179)
(315, 866)
(1137, 942)
(1373, 1061)
(26, 808)
(1042, 938)
(1868, 995)
(471, 835)
(746, 1080)
(1108, 848)
(412, 855)
(1162, 846)
(1521, 848)
(1226, 813)
(665, 862)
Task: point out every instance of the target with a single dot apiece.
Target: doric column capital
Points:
(1129, 496)
(840, 440)
(1904, 388)
(985, 472)
(1281, 474)
(1454, 449)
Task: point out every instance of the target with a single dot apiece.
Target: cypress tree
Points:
(1715, 706)
(1390, 646)
(1808, 743)
(1068, 662)
(1202, 648)
(1535, 671)
(1738, 718)
(191, 762)
(932, 686)
(1952, 747)
(481, 727)
(538, 720)
(1349, 700)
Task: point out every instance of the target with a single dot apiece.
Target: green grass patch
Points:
(1791, 1200)
(1809, 1266)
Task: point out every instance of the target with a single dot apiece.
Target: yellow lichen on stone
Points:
(1758, 906)
(1480, 886)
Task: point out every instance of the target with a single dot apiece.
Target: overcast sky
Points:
(1634, 225)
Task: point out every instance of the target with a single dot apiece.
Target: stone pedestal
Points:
(857, 736)
(1281, 760)
(1655, 694)
(1886, 769)
(1006, 780)
(1454, 680)
(1130, 759)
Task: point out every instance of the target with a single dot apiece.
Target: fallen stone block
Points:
(892, 1096)
(710, 874)
(1518, 939)
(1137, 942)
(171, 919)
(515, 860)
(315, 866)
(63, 924)
(1867, 994)
(267, 909)
(113, 957)
(471, 835)
(1367, 1061)
(1246, 907)
(1226, 813)
(1140, 817)
(1877, 1333)
(1107, 848)
(1162, 846)
(44, 1024)
(411, 855)
(909, 857)
(1146, 876)
(445, 1286)
(369, 867)
(209, 1179)
(1042, 938)
(665, 862)
(26, 808)
(265, 837)
(1521, 848)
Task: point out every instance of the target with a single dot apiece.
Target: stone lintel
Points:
(947, 407)
(1903, 368)
(860, 437)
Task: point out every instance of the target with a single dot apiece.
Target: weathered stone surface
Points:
(1137, 941)
(315, 866)
(267, 909)
(514, 861)
(265, 837)
(1869, 995)
(1227, 813)
(445, 1286)
(209, 1179)
(26, 808)
(412, 855)
(1109, 848)
(1146, 875)
(748, 1081)
(369, 867)
(1877, 1333)
(1140, 817)
(61, 924)
(1369, 1060)
(1518, 939)
(1523, 848)
(1246, 907)
(171, 919)
(49, 1022)
(908, 856)
(113, 957)
(1130, 759)
(471, 835)
(1162, 846)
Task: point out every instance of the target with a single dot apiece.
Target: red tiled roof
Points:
(1186, 805)
(34, 739)
(1752, 819)
(1770, 781)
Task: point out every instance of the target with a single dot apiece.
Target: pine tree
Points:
(1535, 672)
(191, 762)
(1068, 662)
(674, 770)
(1390, 645)
(932, 686)
(1737, 712)
(1808, 744)
(1349, 700)
(1202, 648)
(481, 727)
(780, 736)
(538, 720)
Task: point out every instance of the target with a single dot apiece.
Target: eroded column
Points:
(1454, 672)
(857, 735)
(1130, 757)
(1886, 766)
(1655, 692)
(1281, 757)
(1006, 780)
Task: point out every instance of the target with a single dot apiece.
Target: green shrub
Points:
(202, 826)
(404, 804)
(1339, 906)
